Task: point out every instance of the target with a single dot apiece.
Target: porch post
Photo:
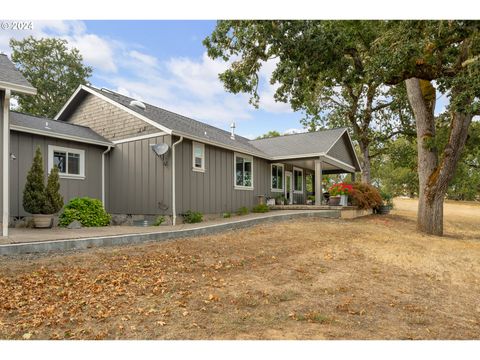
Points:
(353, 177)
(5, 158)
(318, 182)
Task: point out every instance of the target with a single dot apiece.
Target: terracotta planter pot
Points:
(334, 200)
(42, 221)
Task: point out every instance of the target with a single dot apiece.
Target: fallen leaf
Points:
(27, 336)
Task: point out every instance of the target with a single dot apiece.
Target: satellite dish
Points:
(160, 149)
(138, 104)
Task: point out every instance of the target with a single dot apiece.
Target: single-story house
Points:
(140, 159)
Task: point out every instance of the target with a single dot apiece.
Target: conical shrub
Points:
(34, 196)
(54, 201)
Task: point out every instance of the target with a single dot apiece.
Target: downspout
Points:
(103, 174)
(174, 208)
(6, 162)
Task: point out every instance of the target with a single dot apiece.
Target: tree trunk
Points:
(366, 172)
(433, 176)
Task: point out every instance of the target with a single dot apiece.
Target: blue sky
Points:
(164, 63)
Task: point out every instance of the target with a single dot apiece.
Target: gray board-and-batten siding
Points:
(23, 146)
(140, 182)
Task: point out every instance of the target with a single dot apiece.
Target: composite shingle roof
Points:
(11, 78)
(180, 124)
(302, 145)
(299, 144)
(44, 126)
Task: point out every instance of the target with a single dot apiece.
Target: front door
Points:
(288, 187)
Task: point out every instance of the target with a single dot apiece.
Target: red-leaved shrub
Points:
(366, 196)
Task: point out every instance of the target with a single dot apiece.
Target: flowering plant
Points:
(340, 189)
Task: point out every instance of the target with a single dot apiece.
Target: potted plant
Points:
(39, 201)
(280, 200)
(339, 194)
(310, 200)
(387, 203)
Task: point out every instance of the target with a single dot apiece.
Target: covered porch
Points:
(315, 167)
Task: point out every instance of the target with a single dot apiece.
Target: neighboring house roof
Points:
(58, 129)
(302, 145)
(11, 78)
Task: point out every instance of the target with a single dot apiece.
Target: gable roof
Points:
(312, 144)
(11, 78)
(58, 129)
(167, 121)
(300, 144)
(306, 145)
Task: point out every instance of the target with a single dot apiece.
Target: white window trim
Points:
(248, 157)
(53, 148)
(202, 169)
(293, 180)
(283, 177)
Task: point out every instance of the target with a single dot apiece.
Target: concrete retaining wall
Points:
(81, 244)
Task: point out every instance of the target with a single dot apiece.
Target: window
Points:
(297, 180)
(277, 177)
(70, 162)
(198, 156)
(243, 172)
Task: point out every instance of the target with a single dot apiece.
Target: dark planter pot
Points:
(334, 201)
(383, 210)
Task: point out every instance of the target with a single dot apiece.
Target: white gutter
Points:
(6, 162)
(103, 174)
(174, 208)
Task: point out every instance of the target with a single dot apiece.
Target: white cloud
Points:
(143, 58)
(96, 51)
(188, 86)
(294, 131)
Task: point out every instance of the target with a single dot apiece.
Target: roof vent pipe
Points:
(232, 126)
(138, 104)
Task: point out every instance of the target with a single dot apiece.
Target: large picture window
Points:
(243, 172)
(277, 177)
(198, 156)
(70, 162)
(297, 180)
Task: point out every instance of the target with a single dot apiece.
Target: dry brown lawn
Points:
(369, 278)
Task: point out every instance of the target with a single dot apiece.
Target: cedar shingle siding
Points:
(108, 120)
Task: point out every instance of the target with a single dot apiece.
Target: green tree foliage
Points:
(270, 134)
(89, 212)
(52, 68)
(34, 196)
(54, 200)
(396, 170)
(320, 71)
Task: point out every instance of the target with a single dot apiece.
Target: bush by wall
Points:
(88, 211)
(242, 211)
(260, 208)
(191, 217)
(366, 196)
